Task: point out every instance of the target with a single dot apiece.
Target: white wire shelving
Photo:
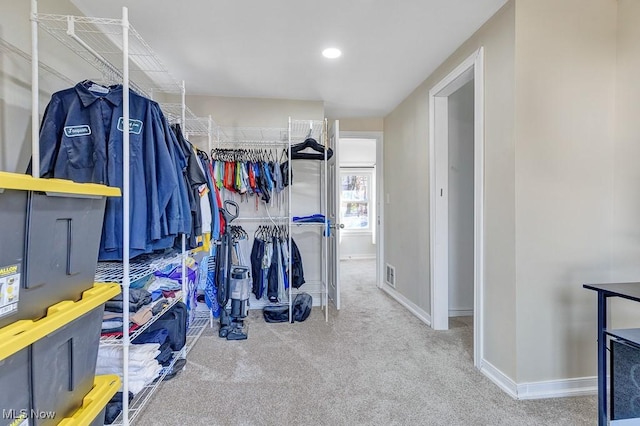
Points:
(299, 131)
(257, 136)
(111, 272)
(194, 332)
(118, 51)
(99, 42)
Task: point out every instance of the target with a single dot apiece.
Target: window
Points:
(355, 198)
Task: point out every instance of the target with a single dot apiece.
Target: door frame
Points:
(472, 68)
(379, 173)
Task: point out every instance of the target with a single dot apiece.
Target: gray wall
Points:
(626, 173)
(15, 77)
(460, 109)
(561, 193)
(373, 124)
(406, 157)
(254, 112)
(565, 97)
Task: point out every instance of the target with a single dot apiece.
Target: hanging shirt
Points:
(81, 139)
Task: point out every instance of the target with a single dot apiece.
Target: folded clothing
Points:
(142, 315)
(136, 352)
(143, 367)
(158, 336)
(138, 297)
(111, 325)
(117, 332)
(163, 283)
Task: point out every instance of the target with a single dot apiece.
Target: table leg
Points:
(602, 359)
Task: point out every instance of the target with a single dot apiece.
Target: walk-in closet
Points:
(146, 228)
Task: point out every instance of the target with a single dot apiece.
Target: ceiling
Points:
(272, 49)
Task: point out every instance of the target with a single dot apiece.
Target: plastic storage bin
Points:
(49, 364)
(49, 238)
(63, 365)
(16, 387)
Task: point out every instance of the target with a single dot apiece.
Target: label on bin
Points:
(9, 289)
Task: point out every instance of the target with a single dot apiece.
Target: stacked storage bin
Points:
(50, 309)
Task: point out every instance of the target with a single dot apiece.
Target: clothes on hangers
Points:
(195, 179)
(250, 172)
(81, 139)
(270, 264)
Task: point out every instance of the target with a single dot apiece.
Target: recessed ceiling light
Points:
(331, 53)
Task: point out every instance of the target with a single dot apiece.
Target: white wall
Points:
(461, 142)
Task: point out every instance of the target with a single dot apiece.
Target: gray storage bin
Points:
(63, 366)
(53, 239)
(15, 387)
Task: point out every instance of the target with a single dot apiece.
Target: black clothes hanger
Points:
(297, 154)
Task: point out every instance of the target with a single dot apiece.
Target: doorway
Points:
(359, 204)
(456, 148)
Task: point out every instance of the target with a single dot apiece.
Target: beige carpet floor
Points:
(373, 363)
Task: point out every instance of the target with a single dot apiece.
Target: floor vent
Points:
(391, 276)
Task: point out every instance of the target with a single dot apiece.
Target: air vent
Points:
(391, 275)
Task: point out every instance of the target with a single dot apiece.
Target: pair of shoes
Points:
(178, 366)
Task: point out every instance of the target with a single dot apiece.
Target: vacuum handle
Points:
(227, 214)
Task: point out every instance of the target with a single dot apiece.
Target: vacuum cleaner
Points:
(233, 283)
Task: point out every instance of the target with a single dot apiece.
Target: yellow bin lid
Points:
(17, 336)
(104, 387)
(62, 186)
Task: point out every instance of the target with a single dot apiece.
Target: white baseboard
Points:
(412, 307)
(358, 257)
(499, 378)
(558, 388)
(539, 390)
(460, 312)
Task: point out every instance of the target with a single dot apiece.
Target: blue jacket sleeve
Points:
(176, 212)
(51, 135)
(162, 173)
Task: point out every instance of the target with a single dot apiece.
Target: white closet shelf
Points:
(199, 126)
(256, 136)
(173, 112)
(316, 224)
(194, 332)
(111, 272)
(99, 42)
(302, 129)
(262, 219)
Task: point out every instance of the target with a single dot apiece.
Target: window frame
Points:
(369, 172)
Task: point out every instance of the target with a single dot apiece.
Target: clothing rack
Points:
(104, 42)
(299, 131)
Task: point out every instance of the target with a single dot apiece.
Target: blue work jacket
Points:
(81, 139)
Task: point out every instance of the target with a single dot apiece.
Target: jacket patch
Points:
(74, 131)
(135, 126)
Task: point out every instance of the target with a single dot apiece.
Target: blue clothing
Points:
(81, 139)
